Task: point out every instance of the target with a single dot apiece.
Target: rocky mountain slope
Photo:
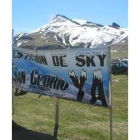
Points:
(62, 32)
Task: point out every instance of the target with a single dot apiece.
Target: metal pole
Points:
(56, 117)
(110, 86)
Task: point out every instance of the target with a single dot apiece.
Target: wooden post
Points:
(111, 131)
(56, 117)
(13, 95)
(110, 86)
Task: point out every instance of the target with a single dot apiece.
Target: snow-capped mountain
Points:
(62, 32)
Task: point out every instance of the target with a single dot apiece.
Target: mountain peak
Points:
(59, 15)
(115, 25)
(61, 18)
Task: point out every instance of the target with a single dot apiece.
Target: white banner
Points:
(77, 74)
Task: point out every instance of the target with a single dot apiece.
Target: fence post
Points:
(110, 86)
(56, 117)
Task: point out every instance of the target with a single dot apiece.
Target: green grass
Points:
(122, 50)
(120, 54)
(78, 121)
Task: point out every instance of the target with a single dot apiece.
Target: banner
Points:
(77, 74)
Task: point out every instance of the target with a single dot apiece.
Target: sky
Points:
(28, 15)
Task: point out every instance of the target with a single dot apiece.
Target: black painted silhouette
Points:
(97, 85)
(101, 58)
(32, 76)
(21, 76)
(54, 82)
(78, 82)
(35, 77)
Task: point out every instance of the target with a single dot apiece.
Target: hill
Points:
(62, 32)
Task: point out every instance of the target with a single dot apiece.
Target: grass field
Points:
(34, 117)
(120, 54)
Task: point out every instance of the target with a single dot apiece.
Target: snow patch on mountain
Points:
(80, 33)
(121, 38)
(80, 21)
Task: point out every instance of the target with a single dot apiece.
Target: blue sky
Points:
(28, 15)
